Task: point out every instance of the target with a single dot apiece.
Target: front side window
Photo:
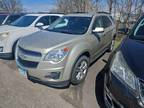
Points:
(97, 22)
(2, 18)
(45, 20)
(53, 18)
(71, 25)
(24, 21)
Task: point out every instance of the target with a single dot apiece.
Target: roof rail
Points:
(104, 12)
(48, 13)
(77, 12)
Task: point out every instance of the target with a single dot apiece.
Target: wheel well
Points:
(86, 54)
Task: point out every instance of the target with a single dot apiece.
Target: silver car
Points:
(61, 54)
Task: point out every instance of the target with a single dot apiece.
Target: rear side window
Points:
(106, 22)
(45, 20)
(12, 18)
(112, 18)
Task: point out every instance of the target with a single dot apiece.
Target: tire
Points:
(111, 47)
(80, 70)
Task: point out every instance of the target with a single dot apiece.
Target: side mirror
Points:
(39, 25)
(123, 31)
(98, 30)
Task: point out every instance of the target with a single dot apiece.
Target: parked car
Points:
(61, 55)
(27, 24)
(124, 73)
(6, 19)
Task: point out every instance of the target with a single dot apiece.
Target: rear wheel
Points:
(80, 70)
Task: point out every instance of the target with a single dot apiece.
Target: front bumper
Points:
(116, 94)
(61, 84)
(42, 71)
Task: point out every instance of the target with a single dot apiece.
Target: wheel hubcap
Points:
(81, 70)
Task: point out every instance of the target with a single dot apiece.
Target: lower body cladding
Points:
(6, 51)
(118, 95)
(43, 74)
(7, 56)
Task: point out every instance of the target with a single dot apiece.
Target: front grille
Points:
(28, 52)
(28, 64)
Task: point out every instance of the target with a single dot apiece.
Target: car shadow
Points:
(99, 89)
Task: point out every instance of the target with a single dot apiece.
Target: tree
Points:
(68, 6)
(10, 6)
(110, 5)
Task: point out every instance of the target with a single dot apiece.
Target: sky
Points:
(38, 5)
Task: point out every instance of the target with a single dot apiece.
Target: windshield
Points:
(12, 18)
(71, 25)
(24, 21)
(2, 18)
(138, 30)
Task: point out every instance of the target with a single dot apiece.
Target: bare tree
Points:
(110, 5)
(11, 6)
(68, 6)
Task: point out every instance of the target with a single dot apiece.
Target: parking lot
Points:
(17, 92)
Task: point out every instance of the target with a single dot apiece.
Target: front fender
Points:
(75, 53)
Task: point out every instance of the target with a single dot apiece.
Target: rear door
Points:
(97, 38)
(108, 30)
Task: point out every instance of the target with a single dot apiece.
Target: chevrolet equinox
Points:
(61, 54)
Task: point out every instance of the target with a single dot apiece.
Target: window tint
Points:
(45, 20)
(98, 22)
(2, 18)
(53, 18)
(12, 18)
(24, 21)
(71, 25)
(106, 22)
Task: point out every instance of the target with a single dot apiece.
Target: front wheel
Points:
(80, 70)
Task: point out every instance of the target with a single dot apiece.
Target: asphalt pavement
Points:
(18, 92)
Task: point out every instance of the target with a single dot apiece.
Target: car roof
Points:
(43, 14)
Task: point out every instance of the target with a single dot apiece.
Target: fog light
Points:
(1, 49)
(53, 75)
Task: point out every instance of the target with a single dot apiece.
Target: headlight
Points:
(56, 56)
(121, 70)
(4, 35)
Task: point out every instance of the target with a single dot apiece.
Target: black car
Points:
(124, 72)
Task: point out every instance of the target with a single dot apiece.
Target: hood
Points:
(133, 52)
(8, 28)
(43, 40)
